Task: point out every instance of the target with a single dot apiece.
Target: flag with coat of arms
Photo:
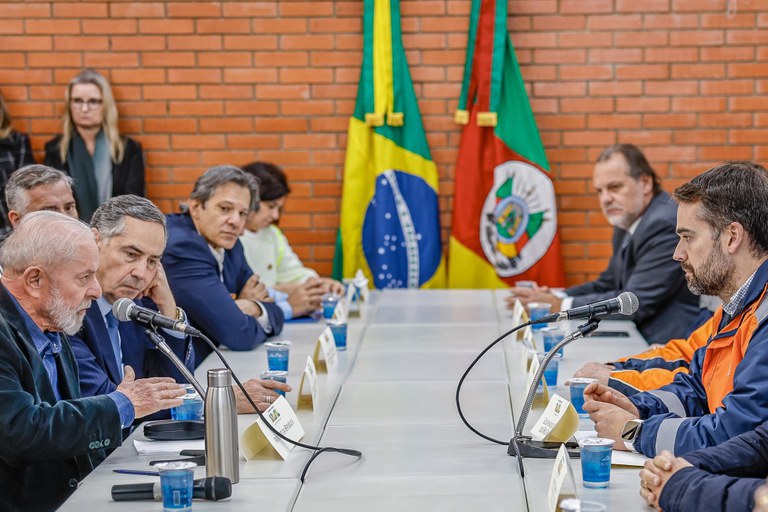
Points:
(390, 220)
(504, 219)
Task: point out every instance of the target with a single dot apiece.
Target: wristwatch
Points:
(630, 433)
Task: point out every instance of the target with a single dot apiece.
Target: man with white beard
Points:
(49, 435)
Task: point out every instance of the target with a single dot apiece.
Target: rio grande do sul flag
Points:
(504, 223)
(390, 224)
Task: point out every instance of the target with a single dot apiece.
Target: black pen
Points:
(136, 472)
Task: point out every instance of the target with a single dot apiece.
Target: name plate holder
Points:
(308, 400)
(561, 471)
(259, 442)
(325, 347)
(558, 422)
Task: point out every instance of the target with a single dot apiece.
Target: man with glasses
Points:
(103, 163)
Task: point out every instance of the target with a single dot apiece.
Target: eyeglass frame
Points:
(91, 103)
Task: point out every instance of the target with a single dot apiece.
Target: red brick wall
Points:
(202, 83)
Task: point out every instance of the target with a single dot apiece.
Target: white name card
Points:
(258, 436)
(518, 310)
(558, 422)
(341, 313)
(528, 338)
(327, 347)
(309, 377)
(559, 471)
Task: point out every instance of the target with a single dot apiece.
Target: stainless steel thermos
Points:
(221, 445)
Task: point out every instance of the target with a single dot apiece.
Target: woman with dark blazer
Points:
(102, 162)
(15, 152)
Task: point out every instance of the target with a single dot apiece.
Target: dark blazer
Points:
(667, 306)
(127, 175)
(96, 361)
(194, 277)
(46, 446)
(723, 478)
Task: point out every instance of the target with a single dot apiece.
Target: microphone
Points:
(126, 310)
(625, 304)
(213, 488)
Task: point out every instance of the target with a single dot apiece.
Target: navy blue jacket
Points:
(667, 306)
(46, 446)
(96, 361)
(723, 479)
(193, 274)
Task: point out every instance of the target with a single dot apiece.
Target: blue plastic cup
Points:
(552, 336)
(577, 385)
(278, 375)
(176, 480)
(537, 310)
(596, 462)
(277, 355)
(191, 408)
(329, 305)
(339, 330)
(550, 372)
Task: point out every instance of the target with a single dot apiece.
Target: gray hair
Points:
(109, 218)
(27, 178)
(45, 239)
(213, 178)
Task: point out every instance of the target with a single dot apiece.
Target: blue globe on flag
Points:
(400, 220)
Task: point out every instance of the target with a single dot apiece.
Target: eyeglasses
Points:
(92, 103)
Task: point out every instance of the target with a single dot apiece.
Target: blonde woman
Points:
(15, 152)
(102, 162)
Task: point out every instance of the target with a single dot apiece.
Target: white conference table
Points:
(393, 398)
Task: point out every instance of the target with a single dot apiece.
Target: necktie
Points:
(114, 337)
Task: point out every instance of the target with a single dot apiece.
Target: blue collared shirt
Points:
(281, 301)
(733, 305)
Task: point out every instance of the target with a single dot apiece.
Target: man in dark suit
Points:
(206, 266)
(39, 187)
(50, 437)
(131, 235)
(644, 239)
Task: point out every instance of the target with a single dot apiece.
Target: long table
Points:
(393, 398)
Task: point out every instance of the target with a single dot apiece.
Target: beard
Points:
(63, 316)
(714, 275)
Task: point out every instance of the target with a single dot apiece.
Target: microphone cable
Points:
(469, 369)
(317, 449)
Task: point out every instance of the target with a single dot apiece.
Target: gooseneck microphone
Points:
(126, 310)
(213, 488)
(625, 304)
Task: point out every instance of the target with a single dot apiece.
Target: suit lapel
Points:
(24, 341)
(97, 337)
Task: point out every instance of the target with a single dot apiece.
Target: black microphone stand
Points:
(160, 343)
(523, 446)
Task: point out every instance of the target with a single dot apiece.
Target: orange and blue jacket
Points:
(726, 392)
(657, 367)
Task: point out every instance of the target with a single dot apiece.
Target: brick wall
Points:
(202, 83)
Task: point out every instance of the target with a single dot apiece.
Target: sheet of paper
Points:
(166, 447)
(618, 457)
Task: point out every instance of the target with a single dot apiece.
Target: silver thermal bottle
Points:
(221, 447)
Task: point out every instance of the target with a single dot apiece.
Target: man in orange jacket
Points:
(723, 250)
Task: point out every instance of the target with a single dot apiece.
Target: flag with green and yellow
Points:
(390, 220)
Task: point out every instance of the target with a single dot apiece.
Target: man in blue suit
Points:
(51, 437)
(130, 233)
(206, 266)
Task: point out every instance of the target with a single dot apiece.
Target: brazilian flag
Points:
(390, 221)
